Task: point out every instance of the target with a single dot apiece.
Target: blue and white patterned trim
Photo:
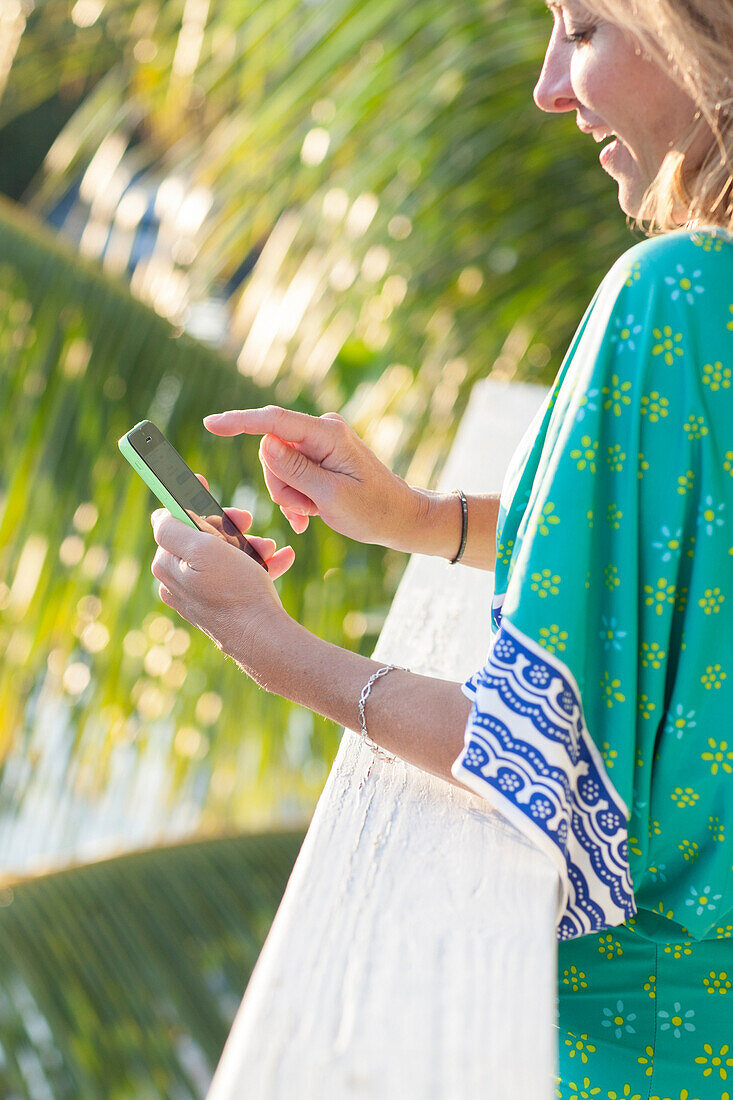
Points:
(528, 752)
(497, 603)
(469, 688)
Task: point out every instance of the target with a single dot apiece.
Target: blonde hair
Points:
(691, 40)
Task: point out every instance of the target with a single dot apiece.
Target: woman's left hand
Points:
(217, 587)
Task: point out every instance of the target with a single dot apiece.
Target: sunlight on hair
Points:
(695, 45)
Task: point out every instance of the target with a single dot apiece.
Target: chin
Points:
(629, 199)
(631, 210)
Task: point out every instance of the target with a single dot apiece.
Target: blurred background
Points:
(211, 204)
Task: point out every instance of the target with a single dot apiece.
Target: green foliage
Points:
(393, 265)
(412, 223)
(53, 55)
(120, 980)
(81, 622)
(407, 200)
(25, 141)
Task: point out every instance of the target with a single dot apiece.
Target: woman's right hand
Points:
(318, 466)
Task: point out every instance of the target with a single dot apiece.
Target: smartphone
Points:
(177, 487)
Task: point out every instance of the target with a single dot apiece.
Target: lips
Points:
(615, 157)
(607, 151)
(599, 134)
(610, 152)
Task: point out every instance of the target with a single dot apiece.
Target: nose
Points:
(554, 89)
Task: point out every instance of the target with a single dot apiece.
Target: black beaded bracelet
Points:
(464, 525)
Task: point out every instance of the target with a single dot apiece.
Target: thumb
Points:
(292, 466)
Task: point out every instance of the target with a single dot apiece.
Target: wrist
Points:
(438, 525)
(262, 645)
(408, 517)
(298, 665)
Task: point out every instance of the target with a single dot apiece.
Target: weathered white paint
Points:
(414, 954)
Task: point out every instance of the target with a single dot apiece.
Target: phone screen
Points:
(181, 482)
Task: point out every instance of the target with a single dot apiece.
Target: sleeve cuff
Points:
(528, 752)
(469, 688)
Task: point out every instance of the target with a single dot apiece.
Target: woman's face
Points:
(593, 68)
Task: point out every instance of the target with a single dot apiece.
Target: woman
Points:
(599, 724)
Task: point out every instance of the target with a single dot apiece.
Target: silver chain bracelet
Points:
(362, 703)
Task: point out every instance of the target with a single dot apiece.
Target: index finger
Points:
(293, 427)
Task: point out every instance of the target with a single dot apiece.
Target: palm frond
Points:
(117, 719)
(385, 169)
(371, 193)
(121, 979)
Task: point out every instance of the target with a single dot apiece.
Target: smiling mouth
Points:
(608, 150)
(611, 150)
(612, 146)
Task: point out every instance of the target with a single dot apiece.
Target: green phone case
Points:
(151, 480)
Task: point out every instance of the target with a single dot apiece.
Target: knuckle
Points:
(339, 423)
(298, 463)
(344, 430)
(158, 567)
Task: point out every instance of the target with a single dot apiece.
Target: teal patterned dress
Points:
(602, 722)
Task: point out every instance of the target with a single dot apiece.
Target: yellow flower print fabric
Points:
(601, 722)
(644, 1019)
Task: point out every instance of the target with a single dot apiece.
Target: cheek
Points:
(598, 83)
(610, 80)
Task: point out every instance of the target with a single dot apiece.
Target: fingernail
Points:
(275, 446)
(212, 417)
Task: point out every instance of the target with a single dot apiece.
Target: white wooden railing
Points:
(413, 956)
